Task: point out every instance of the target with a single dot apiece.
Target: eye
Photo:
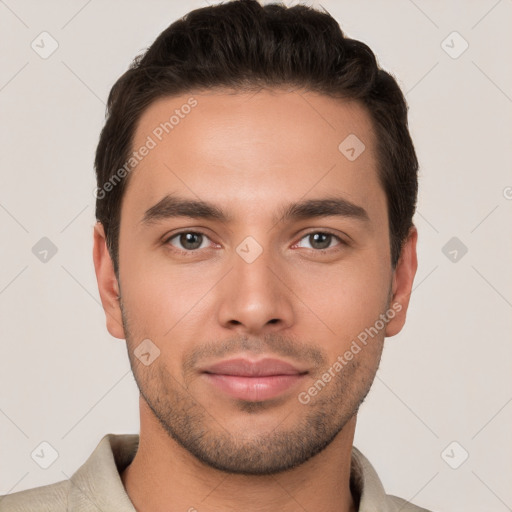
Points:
(321, 240)
(189, 241)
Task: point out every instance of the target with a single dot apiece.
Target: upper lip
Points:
(247, 368)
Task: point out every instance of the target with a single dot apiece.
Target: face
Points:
(285, 255)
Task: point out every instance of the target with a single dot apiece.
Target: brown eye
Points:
(188, 240)
(321, 240)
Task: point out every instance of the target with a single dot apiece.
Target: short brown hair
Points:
(244, 46)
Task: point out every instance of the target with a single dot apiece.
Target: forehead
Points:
(253, 150)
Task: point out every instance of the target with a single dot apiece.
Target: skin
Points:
(250, 154)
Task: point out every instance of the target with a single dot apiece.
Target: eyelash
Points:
(318, 251)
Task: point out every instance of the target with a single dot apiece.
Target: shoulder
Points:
(366, 483)
(47, 498)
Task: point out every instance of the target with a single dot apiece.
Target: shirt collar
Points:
(98, 481)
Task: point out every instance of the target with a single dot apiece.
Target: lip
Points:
(253, 380)
(246, 368)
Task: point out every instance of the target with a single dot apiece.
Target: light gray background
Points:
(445, 378)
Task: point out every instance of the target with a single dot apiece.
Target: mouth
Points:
(254, 381)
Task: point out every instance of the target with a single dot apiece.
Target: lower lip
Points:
(255, 389)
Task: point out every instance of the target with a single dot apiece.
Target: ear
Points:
(107, 283)
(403, 277)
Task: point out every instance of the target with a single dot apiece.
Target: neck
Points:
(163, 476)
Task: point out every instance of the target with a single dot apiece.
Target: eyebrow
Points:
(172, 206)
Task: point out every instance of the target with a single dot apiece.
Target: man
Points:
(254, 246)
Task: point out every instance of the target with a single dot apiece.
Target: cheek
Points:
(151, 287)
(350, 288)
(161, 305)
(346, 298)
(163, 300)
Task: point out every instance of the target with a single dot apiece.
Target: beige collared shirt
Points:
(97, 487)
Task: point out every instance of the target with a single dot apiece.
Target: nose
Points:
(255, 297)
